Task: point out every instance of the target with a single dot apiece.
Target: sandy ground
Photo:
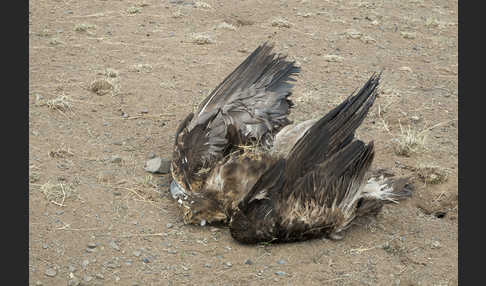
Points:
(109, 82)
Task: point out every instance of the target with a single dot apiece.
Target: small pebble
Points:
(207, 265)
(137, 253)
(281, 261)
(146, 260)
(280, 273)
(45, 246)
(92, 245)
(158, 165)
(228, 264)
(71, 269)
(248, 262)
(87, 278)
(50, 272)
(85, 263)
(171, 251)
(169, 225)
(38, 283)
(100, 276)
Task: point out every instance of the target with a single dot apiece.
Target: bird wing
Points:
(248, 106)
(332, 132)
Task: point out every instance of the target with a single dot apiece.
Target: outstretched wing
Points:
(332, 132)
(254, 96)
(250, 105)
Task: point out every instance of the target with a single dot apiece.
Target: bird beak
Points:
(176, 190)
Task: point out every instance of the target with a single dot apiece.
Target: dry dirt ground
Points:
(110, 80)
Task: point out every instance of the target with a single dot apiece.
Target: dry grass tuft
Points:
(177, 14)
(333, 58)
(109, 72)
(84, 27)
(410, 141)
(431, 174)
(141, 68)
(200, 4)
(101, 86)
(44, 33)
(61, 103)
(62, 152)
(134, 10)
(201, 39)
(281, 23)
(57, 193)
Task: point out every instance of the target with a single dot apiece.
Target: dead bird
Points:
(239, 159)
(322, 184)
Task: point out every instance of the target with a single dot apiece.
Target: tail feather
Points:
(380, 190)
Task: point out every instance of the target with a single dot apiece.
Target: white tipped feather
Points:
(378, 188)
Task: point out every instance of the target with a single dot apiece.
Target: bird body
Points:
(240, 161)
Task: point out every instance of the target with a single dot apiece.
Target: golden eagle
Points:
(239, 160)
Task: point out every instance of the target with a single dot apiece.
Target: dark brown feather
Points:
(332, 132)
(247, 108)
